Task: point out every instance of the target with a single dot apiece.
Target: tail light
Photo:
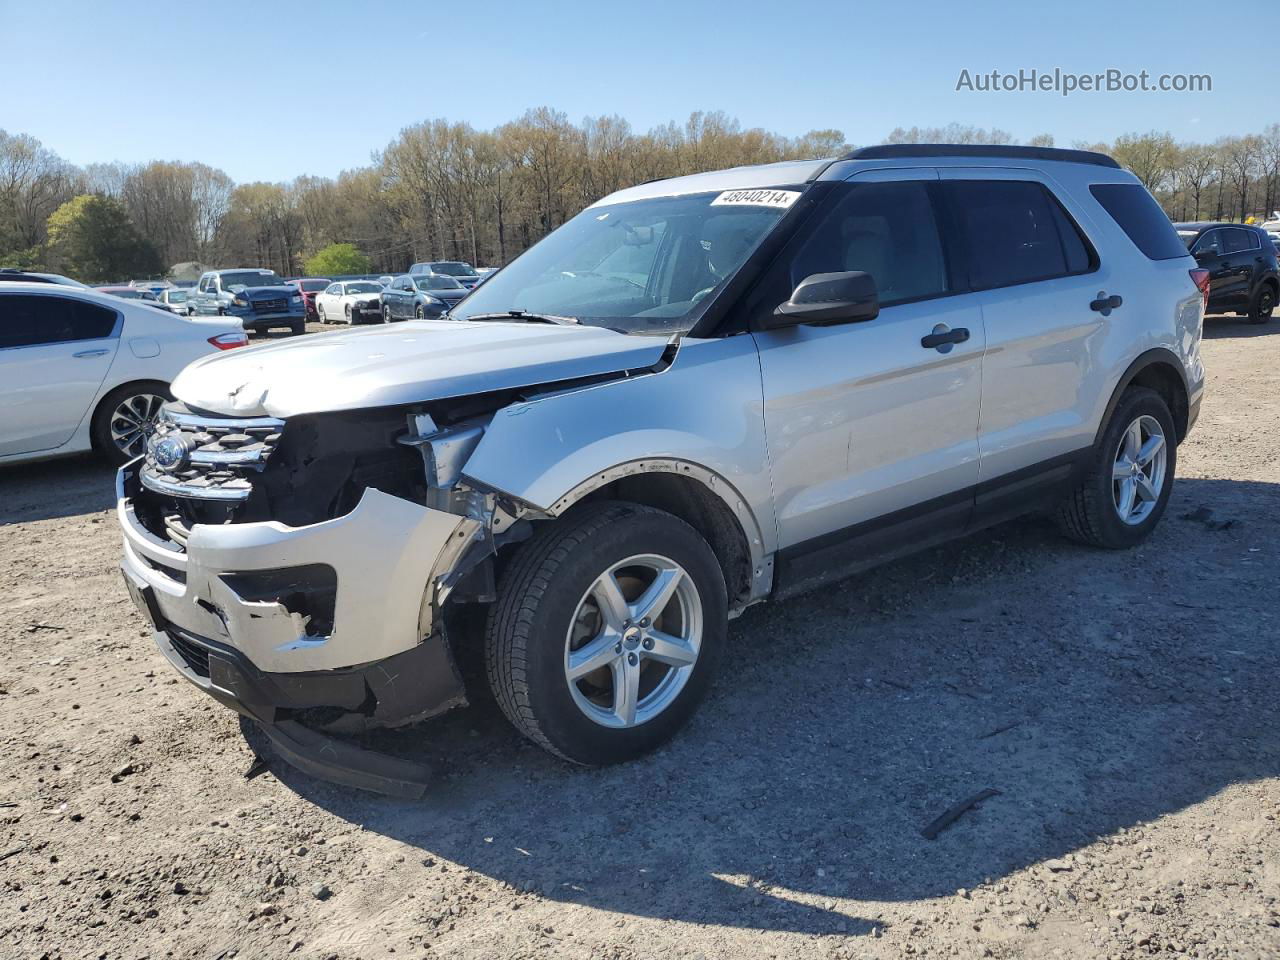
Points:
(229, 341)
(1200, 277)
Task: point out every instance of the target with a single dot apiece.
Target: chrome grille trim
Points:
(222, 454)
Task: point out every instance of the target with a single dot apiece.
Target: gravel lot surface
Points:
(1123, 704)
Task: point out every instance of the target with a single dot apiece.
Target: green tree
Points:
(338, 259)
(92, 239)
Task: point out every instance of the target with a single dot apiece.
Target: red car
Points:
(309, 287)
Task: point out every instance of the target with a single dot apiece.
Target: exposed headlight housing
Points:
(239, 302)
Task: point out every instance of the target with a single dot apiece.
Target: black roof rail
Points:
(893, 151)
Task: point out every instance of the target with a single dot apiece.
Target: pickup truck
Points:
(258, 297)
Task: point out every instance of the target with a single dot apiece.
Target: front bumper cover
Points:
(383, 661)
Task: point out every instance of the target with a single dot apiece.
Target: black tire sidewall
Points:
(1255, 311)
(1135, 403)
(570, 731)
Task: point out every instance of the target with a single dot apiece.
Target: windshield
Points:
(364, 287)
(176, 296)
(249, 278)
(452, 268)
(437, 283)
(646, 267)
(1188, 236)
(132, 294)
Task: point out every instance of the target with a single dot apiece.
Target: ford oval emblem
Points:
(169, 453)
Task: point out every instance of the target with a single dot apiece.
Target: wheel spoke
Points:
(612, 604)
(673, 651)
(658, 594)
(1128, 489)
(592, 656)
(1121, 469)
(1133, 440)
(1144, 488)
(1149, 449)
(626, 690)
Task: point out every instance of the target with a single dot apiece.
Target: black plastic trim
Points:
(1161, 355)
(841, 553)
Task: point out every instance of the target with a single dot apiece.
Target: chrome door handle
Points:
(91, 353)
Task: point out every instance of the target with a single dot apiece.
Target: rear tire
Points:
(386, 314)
(547, 611)
(1129, 475)
(124, 418)
(1264, 302)
(420, 312)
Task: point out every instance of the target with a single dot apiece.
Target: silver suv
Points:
(698, 394)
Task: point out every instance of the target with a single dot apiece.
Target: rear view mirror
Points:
(637, 236)
(847, 297)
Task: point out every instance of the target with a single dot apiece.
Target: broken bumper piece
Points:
(420, 682)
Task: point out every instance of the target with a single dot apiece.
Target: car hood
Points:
(404, 363)
(265, 293)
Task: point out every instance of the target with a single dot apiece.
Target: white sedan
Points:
(350, 301)
(82, 370)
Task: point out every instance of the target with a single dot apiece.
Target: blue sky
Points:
(271, 90)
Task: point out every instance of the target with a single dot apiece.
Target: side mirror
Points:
(1206, 254)
(848, 297)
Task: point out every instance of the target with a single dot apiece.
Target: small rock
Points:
(321, 891)
(1058, 866)
(180, 888)
(122, 772)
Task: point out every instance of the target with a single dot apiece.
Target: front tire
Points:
(1264, 303)
(1125, 490)
(606, 633)
(386, 314)
(420, 312)
(347, 313)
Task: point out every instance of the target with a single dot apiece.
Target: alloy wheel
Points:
(133, 421)
(1138, 474)
(634, 641)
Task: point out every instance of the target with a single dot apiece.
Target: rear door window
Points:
(1136, 212)
(1236, 240)
(29, 320)
(1015, 231)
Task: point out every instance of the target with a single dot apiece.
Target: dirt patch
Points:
(1123, 705)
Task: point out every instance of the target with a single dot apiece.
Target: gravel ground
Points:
(1123, 705)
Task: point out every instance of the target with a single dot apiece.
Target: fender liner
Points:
(1162, 356)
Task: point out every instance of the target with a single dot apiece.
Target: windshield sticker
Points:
(757, 198)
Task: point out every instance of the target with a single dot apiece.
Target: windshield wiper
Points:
(525, 316)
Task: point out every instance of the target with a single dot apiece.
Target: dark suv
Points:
(1244, 276)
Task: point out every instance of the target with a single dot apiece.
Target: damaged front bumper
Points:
(339, 617)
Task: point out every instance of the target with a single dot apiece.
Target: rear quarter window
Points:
(30, 319)
(1136, 212)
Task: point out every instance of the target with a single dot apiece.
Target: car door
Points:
(869, 430)
(326, 303)
(1210, 253)
(1241, 260)
(55, 350)
(399, 297)
(1036, 276)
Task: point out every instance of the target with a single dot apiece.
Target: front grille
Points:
(193, 655)
(210, 458)
(270, 306)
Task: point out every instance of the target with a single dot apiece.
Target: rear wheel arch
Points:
(1158, 369)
